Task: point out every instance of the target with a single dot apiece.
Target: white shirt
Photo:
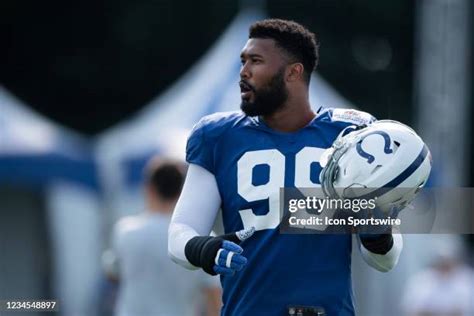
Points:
(150, 283)
(433, 293)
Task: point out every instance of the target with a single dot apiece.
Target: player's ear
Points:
(294, 72)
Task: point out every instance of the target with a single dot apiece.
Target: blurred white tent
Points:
(49, 215)
(162, 126)
(35, 150)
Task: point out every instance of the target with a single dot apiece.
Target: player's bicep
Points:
(199, 201)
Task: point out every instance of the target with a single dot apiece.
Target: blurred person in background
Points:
(446, 288)
(149, 283)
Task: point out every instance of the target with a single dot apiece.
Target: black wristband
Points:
(380, 245)
(201, 252)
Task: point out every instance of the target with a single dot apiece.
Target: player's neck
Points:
(292, 117)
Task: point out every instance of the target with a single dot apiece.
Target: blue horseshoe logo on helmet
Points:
(386, 149)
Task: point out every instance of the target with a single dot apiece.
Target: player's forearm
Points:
(383, 262)
(178, 237)
(194, 214)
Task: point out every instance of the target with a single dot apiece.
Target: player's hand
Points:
(229, 257)
(218, 255)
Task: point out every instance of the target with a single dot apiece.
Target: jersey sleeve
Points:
(205, 136)
(198, 150)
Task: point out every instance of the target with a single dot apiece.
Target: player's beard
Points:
(268, 99)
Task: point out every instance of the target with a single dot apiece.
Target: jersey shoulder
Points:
(216, 124)
(206, 133)
(346, 116)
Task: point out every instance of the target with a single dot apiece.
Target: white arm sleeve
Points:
(386, 262)
(195, 212)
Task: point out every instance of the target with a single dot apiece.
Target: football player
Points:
(240, 160)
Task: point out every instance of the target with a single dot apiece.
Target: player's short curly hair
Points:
(298, 42)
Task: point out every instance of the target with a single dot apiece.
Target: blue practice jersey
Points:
(251, 162)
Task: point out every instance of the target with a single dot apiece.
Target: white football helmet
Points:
(386, 160)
